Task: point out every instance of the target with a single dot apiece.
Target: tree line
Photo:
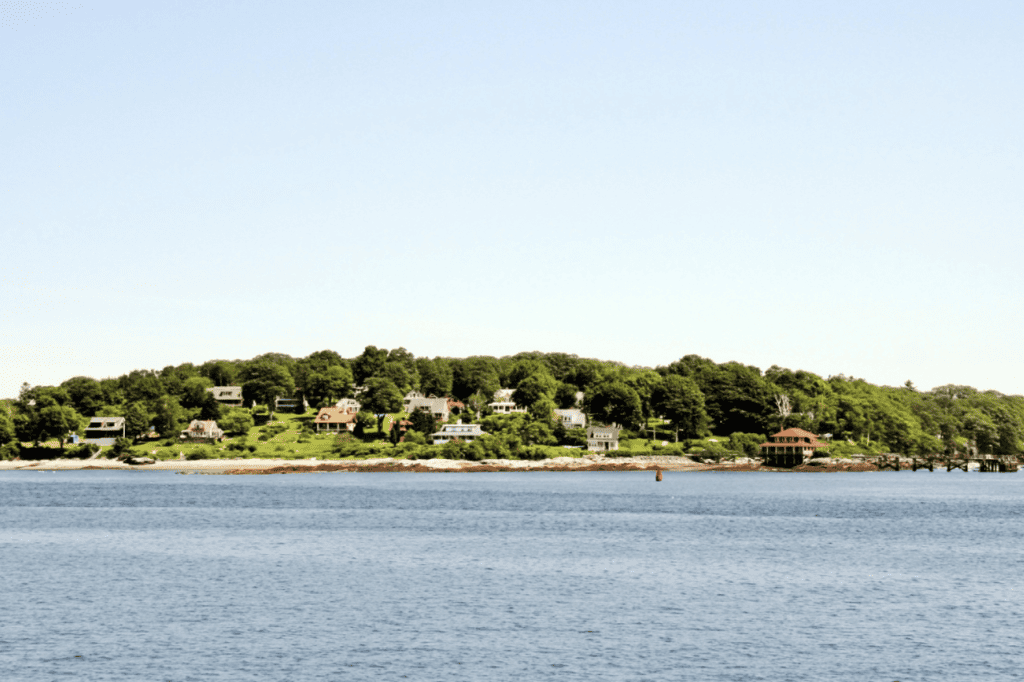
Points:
(696, 396)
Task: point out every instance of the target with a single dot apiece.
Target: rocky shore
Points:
(283, 466)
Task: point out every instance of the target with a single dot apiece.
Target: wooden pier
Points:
(1000, 463)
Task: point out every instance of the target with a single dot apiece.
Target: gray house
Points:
(104, 430)
(227, 395)
(603, 438)
(438, 407)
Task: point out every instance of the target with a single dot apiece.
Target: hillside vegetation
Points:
(692, 405)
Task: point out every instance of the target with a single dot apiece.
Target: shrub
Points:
(252, 448)
(199, 453)
(83, 451)
(10, 450)
(121, 447)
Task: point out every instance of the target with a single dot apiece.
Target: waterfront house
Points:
(202, 431)
(603, 438)
(336, 419)
(104, 430)
(790, 447)
(461, 432)
(571, 419)
(227, 395)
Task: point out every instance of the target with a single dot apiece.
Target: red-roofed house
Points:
(789, 447)
(335, 419)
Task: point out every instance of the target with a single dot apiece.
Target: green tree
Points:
(57, 421)
(614, 402)
(193, 391)
(220, 372)
(435, 376)
(264, 381)
(381, 397)
(329, 385)
(85, 393)
(565, 396)
(423, 421)
(168, 417)
(473, 375)
(681, 401)
(537, 386)
(136, 420)
(369, 363)
(6, 428)
(237, 421)
(210, 409)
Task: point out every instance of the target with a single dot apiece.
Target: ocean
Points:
(126, 575)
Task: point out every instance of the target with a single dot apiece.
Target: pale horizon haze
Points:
(829, 186)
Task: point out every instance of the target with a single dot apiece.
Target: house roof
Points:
(111, 423)
(433, 404)
(571, 412)
(226, 392)
(614, 430)
(460, 430)
(795, 433)
(334, 415)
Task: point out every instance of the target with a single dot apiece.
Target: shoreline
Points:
(256, 466)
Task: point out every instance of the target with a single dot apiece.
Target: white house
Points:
(571, 418)
(462, 432)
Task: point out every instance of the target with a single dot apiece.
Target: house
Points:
(603, 438)
(104, 430)
(503, 395)
(202, 431)
(349, 404)
(571, 418)
(289, 404)
(789, 447)
(438, 407)
(505, 407)
(227, 395)
(409, 397)
(335, 419)
(458, 431)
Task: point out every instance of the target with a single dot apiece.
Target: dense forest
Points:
(692, 398)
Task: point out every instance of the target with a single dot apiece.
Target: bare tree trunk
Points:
(784, 408)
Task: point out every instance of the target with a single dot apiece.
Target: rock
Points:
(138, 460)
(819, 461)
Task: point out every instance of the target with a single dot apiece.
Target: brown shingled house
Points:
(788, 448)
(335, 419)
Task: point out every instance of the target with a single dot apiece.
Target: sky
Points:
(829, 186)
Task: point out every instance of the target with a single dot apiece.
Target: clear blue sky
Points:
(829, 186)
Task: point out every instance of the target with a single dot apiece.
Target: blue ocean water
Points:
(705, 576)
